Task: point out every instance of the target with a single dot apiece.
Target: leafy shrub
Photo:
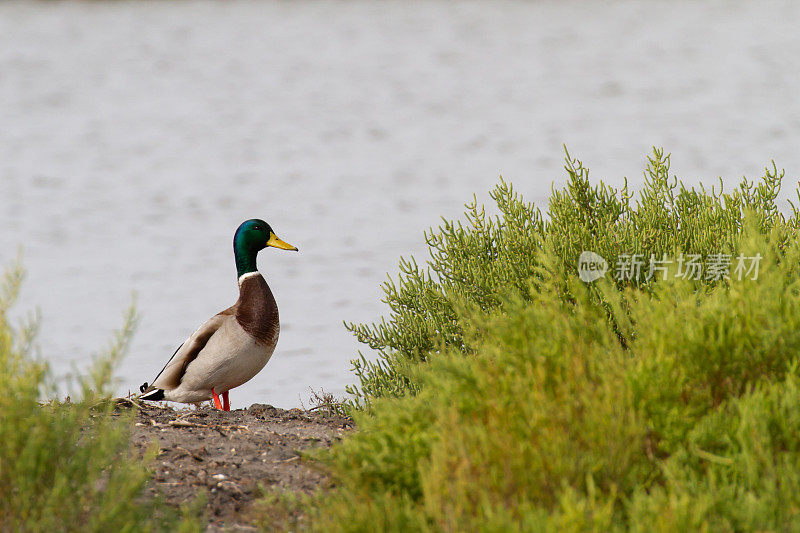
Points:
(474, 263)
(67, 466)
(511, 396)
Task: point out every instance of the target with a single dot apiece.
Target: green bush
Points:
(68, 466)
(474, 263)
(509, 395)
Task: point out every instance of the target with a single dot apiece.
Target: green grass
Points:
(509, 395)
(68, 466)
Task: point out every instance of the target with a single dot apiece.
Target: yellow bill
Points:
(277, 243)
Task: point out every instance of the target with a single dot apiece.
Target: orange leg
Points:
(216, 399)
(226, 405)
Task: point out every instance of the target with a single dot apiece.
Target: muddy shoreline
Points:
(230, 455)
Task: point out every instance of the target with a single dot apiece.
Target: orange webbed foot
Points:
(217, 404)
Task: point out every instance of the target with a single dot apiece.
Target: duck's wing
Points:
(172, 373)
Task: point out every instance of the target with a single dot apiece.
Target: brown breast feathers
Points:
(256, 310)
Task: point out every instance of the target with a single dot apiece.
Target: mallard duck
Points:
(232, 346)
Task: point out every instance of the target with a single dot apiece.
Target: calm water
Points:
(135, 137)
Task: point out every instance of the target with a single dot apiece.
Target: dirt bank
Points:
(229, 454)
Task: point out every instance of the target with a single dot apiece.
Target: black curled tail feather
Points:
(154, 395)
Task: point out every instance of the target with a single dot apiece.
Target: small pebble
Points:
(230, 487)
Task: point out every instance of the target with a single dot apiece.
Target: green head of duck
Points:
(251, 237)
